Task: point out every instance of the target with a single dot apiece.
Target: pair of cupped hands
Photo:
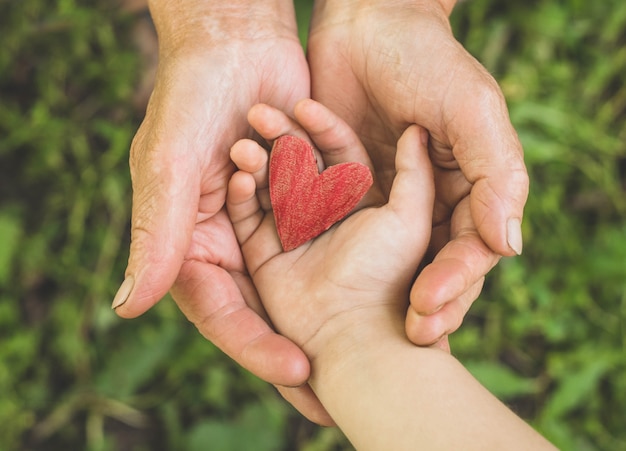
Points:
(379, 66)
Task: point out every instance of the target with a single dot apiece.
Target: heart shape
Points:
(305, 202)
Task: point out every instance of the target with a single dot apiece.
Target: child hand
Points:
(367, 260)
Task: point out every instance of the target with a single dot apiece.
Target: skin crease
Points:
(182, 239)
(383, 65)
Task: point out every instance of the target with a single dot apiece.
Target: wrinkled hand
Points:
(367, 260)
(213, 66)
(384, 65)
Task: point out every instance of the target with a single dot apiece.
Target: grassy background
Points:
(548, 335)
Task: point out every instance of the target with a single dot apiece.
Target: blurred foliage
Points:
(548, 335)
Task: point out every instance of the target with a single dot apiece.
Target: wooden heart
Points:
(305, 202)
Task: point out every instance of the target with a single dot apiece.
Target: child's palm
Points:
(368, 259)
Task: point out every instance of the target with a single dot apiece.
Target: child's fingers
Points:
(254, 229)
(272, 123)
(335, 139)
(250, 157)
(336, 142)
(413, 191)
(243, 205)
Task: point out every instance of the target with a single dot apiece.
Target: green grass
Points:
(556, 317)
(548, 334)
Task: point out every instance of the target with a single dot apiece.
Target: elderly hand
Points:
(382, 66)
(216, 60)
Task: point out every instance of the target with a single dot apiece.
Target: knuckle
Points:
(519, 183)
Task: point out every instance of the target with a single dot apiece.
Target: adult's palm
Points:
(382, 67)
(182, 239)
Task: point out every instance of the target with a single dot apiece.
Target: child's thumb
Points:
(413, 190)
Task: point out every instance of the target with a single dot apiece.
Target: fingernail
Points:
(514, 235)
(123, 292)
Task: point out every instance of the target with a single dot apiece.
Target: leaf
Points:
(500, 380)
(260, 427)
(576, 388)
(128, 368)
(10, 233)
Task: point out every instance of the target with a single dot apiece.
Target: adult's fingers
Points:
(488, 152)
(434, 327)
(165, 205)
(304, 399)
(446, 288)
(211, 298)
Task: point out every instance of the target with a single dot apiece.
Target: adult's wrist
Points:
(350, 7)
(216, 22)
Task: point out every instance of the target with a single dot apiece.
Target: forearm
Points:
(386, 393)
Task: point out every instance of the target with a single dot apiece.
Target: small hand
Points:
(369, 259)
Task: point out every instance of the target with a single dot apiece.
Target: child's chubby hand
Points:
(365, 263)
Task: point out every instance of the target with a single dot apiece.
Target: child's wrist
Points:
(342, 337)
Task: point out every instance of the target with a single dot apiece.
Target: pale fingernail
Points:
(123, 292)
(514, 235)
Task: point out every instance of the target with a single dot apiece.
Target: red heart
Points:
(305, 202)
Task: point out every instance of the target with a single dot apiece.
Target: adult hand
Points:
(216, 60)
(384, 65)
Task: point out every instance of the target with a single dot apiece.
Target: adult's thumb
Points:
(490, 155)
(165, 205)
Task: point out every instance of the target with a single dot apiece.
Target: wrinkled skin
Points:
(380, 70)
(208, 78)
(383, 66)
